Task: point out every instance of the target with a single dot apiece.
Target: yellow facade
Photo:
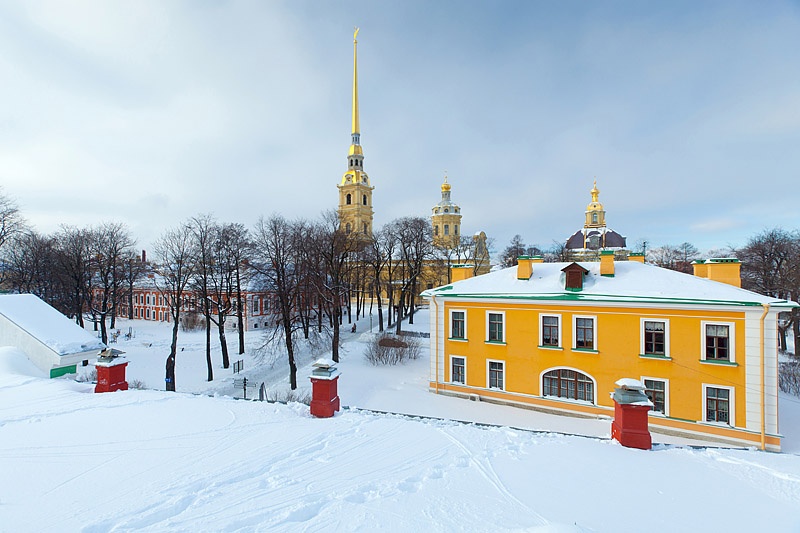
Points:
(617, 351)
(446, 220)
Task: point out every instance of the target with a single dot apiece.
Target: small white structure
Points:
(52, 342)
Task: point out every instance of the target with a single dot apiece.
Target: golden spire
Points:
(445, 185)
(595, 192)
(355, 83)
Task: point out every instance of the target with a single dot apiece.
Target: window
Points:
(447, 229)
(494, 327)
(654, 338)
(160, 315)
(348, 227)
(436, 230)
(136, 313)
(584, 333)
(255, 305)
(349, 199)
(496, 374)
(594, 218)
(549, 329)
(657, 391)
(458, 370)
(136, 299)
(364, 200)
(567, 383)
(719, 403)
(160, 301)
(148, 299)
(148, 314)
(455, 229)
(365, 227)
(458, 321)
(717, 342)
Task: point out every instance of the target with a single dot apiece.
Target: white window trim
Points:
(503, 313)
(666, 395)
(731, 405)
(575, 331)
(487, 373)
(464, 357)
(559, 398)
(665, 321)
(450, 325)
(731, 339)
(541, 331)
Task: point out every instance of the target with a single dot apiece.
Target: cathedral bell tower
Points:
(446, 218)
(355, 191)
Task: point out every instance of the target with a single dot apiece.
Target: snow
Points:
(157, 461)
(631, 281)
(46, 324)
(630, 384)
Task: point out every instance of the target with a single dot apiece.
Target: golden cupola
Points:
(595, 215)
(446, 219)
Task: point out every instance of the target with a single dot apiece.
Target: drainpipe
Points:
(436, 341)
(763, 394)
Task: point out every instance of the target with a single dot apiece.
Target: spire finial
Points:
(355, 82)
(445, 185)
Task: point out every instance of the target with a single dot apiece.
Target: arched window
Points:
(455, 229)
(347, 228)
(594, 218)
(364, 200)
(570, 384)
(349, 200)
(365, 228)
(436, 230)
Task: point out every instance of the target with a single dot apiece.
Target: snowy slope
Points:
(156, 461)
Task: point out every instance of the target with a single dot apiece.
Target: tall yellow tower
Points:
(355, 191)
(446, 219)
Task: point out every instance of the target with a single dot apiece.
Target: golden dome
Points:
(445, 185)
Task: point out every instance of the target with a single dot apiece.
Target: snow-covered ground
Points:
(149, 460)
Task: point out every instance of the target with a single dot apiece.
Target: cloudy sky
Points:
(687, 114)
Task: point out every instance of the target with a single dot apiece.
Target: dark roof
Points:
(613, 239)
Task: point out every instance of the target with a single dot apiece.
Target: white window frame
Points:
(666, 395)
(731, 404)
(541, 331)
(464, 358)
(582, 402)
(575, 332)
(450, 325)
(731, 340)
(503, 314)
(665, 321)
(488, 375)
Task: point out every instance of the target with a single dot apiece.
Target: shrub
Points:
(789, 377)
(192, 321)
(390, 350)
(89, 377)
(289, 396)
(136, 384)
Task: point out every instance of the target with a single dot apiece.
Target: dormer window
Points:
(445, 210)
(574, 276)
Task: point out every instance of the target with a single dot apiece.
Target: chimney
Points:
(460, 272)
(144, 256)
(607, 263)
(524, 267)
(537, 259)
(700, 268)
(725, 270)
(639, 258)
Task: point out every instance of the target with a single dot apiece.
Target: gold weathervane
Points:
(355, 35)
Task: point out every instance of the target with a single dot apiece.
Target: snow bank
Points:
(14, 362)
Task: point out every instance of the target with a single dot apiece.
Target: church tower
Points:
(446, 219)
(595, 215)
(355, 191)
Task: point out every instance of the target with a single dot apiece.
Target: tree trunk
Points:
(103, 331)
(208, 348)
(335, 341)
(223, 343)
(240, 312)
(170, 377)
(287, 331)
(796, 326)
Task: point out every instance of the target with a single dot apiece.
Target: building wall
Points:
(617, 354)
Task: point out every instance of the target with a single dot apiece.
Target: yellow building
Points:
(556, 336)
(446, 220)
(355, 191)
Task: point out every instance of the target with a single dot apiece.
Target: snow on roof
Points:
(46, 324)
(633, 281)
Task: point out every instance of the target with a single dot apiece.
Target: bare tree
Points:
(414, 236)
(276, 254)
(203, 234)
(515, 248)
(240, 249)
(75, 263)
(133, 268)
(110, 242)
(175, 252)
(11, 221)
(378, 256)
